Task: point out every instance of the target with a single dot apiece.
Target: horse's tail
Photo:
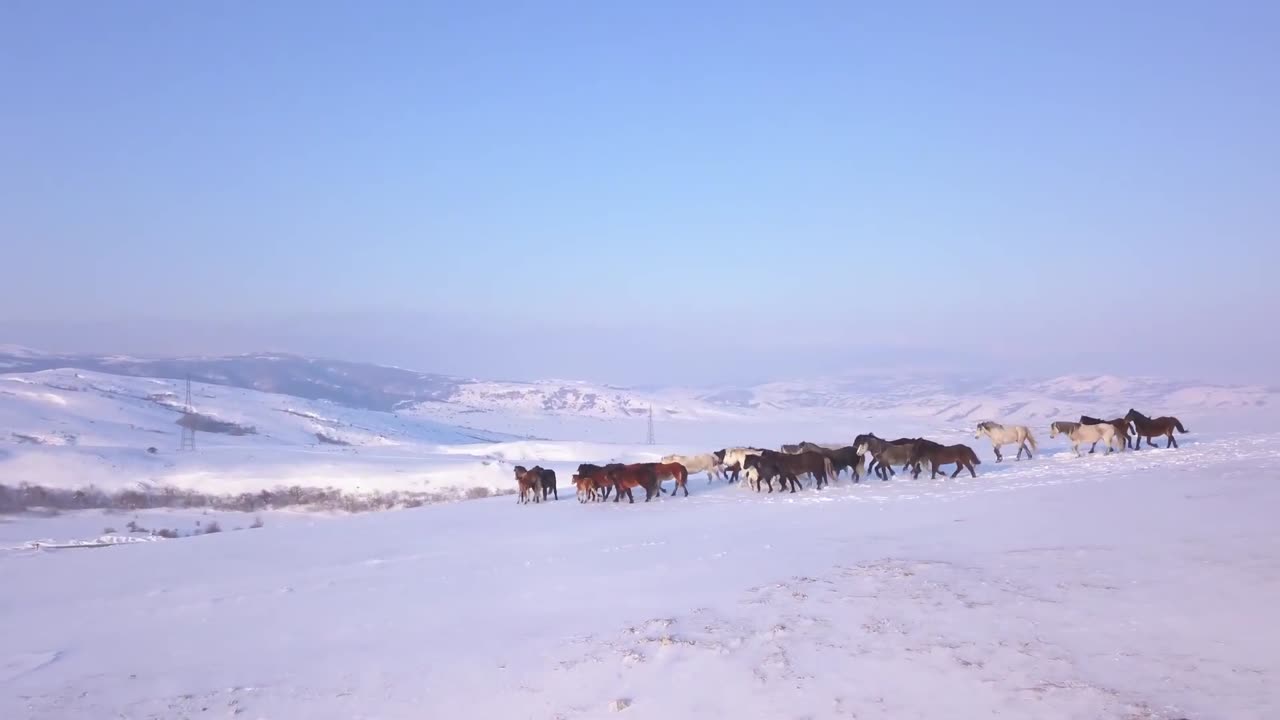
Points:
(828, 467)
(973, 456)
(1178, 424)
(1032, 439)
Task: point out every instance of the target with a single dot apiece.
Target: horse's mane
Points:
(1066, 426)
(1090, 419)
(988, 425)
(1140, 415)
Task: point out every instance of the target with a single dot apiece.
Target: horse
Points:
(848, 458)
(769, 465)
(1145, 427)
(874, 443)
(695, 464)
(1120, 424)
(627, 477)
(1078, 433)
(1001, 436)
(674, 471)
(885, 454)
(806, 446)
(962, 455)
(529, 484)
(547, 480)
(734, 459)
(594, 481)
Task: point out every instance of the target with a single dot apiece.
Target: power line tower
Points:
(651, 441)
(188, 422)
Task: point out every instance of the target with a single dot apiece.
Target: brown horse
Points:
(594, 482)
(1148, 428)
(962, 455)
(528, 483)
(1120, 424)
(628, 477)
(673, 471)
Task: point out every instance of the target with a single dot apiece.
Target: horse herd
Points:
(823, 463)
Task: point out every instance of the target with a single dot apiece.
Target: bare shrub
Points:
(26, 498)
(108, 531)
(212, 527)
(166, 533)
(257, 523)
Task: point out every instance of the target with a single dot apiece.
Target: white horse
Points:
(1000, 436)
(733, 460)
(705, 462)
(1079, 434)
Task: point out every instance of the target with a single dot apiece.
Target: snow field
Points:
(1139, 585)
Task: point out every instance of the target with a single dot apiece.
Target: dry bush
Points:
(25, 498)
(212, 527)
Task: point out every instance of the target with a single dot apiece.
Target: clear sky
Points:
(647, 192)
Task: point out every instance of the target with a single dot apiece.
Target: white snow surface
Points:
(1138, 585)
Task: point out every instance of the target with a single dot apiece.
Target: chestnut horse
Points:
(1148, 428)
(962, 455)
(627, 477)
(529, 483)
(674, 471)
(594, 482)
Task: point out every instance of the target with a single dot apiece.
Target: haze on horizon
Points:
(647, 194)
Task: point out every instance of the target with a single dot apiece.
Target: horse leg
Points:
(970, 466)
(1172, 442)
(959, 467)
(1093, 447)
(999, 455)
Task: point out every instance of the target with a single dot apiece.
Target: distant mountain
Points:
(357, 385)
(960, 398)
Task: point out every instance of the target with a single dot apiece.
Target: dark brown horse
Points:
(1148, 428)
(847, 458)
(962, 455)
(547, 480)
(1120, 424)
(789, 467)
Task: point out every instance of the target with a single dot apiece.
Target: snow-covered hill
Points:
(367, 429)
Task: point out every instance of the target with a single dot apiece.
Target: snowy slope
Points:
(1140, 585)
(70, 428)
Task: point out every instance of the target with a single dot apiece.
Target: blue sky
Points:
(632, 188)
